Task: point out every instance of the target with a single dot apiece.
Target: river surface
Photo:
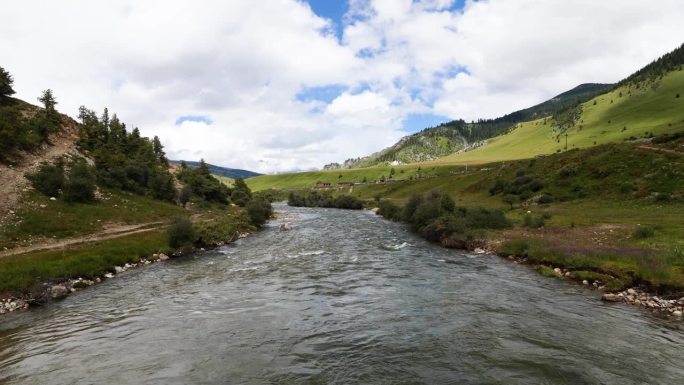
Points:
(344, 297)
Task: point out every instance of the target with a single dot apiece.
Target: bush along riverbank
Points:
(634, 276)
(40, 277)
(316, 199)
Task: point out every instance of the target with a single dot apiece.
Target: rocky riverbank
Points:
(60, 289)
(634, 296)
(56, 290)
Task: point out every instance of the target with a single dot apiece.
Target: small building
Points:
(322, 185)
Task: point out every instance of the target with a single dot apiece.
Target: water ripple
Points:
(342, 297)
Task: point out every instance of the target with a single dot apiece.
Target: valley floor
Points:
(615, 217)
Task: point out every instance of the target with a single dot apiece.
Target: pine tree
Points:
(159, 150)
(49, 102)
(6, 82)
(203, 168)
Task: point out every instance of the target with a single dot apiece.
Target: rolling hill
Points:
(645, 104)
(231, 173)
(448, 138)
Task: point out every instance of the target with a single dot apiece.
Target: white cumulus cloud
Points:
(244, 64)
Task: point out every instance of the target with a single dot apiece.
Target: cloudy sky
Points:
(276, 85)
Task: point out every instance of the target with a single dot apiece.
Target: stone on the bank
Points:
(610, 297)
(631, 291)
(58, 291)
(109, 275)
(118, 269)
(585, 282)
(677, 313)
(163, 257)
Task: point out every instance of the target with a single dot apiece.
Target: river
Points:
(344, 297)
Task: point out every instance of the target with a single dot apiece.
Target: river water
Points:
(344, 297)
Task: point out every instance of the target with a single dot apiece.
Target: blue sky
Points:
(335, 10)
(271, 86)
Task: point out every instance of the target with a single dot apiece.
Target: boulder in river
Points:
(58, 291)
(285, 227)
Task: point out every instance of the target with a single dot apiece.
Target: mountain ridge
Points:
(457, 135)
(232, 173)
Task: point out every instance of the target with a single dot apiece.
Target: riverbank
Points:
(37, 277)
(40, 293)
(617, 283)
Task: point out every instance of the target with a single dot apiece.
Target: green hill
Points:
(436, 142)
(231, 173)
(632, 111)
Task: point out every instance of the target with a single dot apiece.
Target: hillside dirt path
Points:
(659, 149)
(12, 180)
(111, 232)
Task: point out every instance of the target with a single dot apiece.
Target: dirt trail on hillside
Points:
(12, 180)
(659, 149)
(111, 232)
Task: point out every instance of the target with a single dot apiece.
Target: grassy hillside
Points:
(231, 173)
(630, 112)
(308, 179)
(611, 212)
(448, 138)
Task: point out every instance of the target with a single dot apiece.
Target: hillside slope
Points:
(61, 142)
(448, 138)
(232, 173)
(633, 111)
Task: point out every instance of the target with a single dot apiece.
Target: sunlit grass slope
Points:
(629, 111)
(308, 179)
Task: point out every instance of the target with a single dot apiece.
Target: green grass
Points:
(618, 268)
(225, 180)
(59, 219)
(19, 272)
(22, 273)
(623, 113)
(308, 179)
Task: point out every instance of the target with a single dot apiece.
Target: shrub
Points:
(567, 171)
(522, 180)
(533, 221)
(80, 185)
(536, 185)
(517, 247)
(525, 195)
(347, 202)
(499, 186)
(626, 187)
(643, 232)
(545, 199)
(259, 211)
(49, 179)
(162, 186)
(482, 218)
(389, 210)
(185, 195)
(444, 227)
(181, 233)
(239, 197)
(662, 197)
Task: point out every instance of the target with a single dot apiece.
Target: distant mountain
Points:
(232, 173)
(448, 138)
